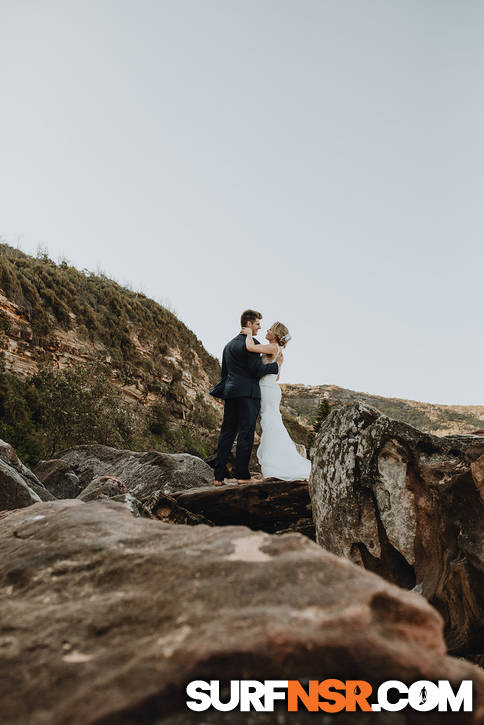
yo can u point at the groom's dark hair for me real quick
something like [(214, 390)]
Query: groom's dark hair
[(249, 316)]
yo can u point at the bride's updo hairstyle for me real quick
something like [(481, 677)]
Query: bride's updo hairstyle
[(281, 333)]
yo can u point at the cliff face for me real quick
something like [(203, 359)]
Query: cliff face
[(58, 315), (408, 506), (23, 353), (302, 401)]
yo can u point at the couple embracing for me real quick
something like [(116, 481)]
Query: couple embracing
[(250, 372)]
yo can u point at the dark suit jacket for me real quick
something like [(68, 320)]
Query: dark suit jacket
[(241, 371)]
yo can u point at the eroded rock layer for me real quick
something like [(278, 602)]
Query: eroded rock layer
[(408, 506)]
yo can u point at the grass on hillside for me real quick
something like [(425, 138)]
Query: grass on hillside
[(105, 312)]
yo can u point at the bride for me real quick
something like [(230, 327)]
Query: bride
[(277, 453)]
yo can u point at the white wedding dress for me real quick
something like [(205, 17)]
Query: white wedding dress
[(277, 452)]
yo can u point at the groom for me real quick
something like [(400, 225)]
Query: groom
[(239, 388)]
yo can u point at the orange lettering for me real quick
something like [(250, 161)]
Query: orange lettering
[(296, 691), (357, 691), (339, 700)]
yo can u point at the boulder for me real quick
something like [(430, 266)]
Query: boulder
[(106, 617), (19, 487), (271, 505), (131, 503), (145, 474), (103, 487), (406, 505), (59, 478), (108, 488)]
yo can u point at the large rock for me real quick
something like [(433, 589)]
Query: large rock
[(271, 505), (104, 618), (131, 503), (108, 488), (103, 487), (144, 473), (59, 478), (19, 487), (406, 505)]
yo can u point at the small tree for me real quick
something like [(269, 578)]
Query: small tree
[(80, 405), (19, 406)]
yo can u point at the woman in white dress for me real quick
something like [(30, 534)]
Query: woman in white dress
[(277, 452)]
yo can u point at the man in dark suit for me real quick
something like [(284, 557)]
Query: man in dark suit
[(239, 387)]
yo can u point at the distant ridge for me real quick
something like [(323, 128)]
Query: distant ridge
[(303, 401)]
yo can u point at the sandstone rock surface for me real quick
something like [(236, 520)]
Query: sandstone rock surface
[(104, 618), (144, 473), (108, 488), (407, 506), (58, 477), (103, 487), (19, 487)]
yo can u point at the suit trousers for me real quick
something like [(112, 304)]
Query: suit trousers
[(240, 415)]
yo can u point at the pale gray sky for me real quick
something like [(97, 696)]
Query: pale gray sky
[(318, 160)]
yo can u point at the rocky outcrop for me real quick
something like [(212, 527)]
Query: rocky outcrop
[(271, 505), (302, 401), (19, 487), (108, 488), (103, 487), (130, 502), (184, 358), (145, 474), (175, 488), (59, 478), (106, 617), (408, 506)]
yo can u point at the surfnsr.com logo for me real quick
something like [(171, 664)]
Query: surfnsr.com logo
[(330, 695)]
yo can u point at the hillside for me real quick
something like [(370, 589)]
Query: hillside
[(85, 360), (302, 401), (53, 316)]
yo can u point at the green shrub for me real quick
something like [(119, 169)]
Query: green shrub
[(158, 419), (324, 410), (5, 325), (80, 405)]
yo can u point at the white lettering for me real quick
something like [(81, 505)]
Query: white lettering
[(251, 693), (275, 690), (200, 701), (462, 696), (234, 695)]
